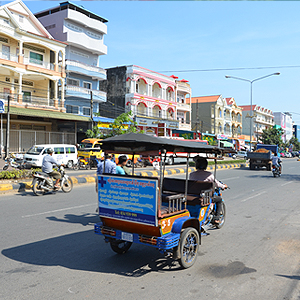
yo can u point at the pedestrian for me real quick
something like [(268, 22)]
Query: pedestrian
[(121, 163), (110, 166)]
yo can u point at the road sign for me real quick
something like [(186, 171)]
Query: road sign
[(1, 106)]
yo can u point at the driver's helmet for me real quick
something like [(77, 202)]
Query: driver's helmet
[(50, 150)]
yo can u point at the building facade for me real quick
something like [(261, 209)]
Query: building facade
[(32, 70), (236, 117), (150, 96), (212, 115), (284, 120), (262, 118), (84, 32), (183, 98)]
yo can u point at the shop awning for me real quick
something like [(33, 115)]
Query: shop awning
[(46, 114)]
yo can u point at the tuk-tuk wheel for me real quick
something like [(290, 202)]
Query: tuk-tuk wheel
[(188, 247), (120, 246)]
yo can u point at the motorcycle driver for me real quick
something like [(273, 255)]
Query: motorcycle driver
[(203, 175), (276, 161), (47, 167)]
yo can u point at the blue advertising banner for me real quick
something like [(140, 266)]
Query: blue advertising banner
[(129, 199), (1, 106)]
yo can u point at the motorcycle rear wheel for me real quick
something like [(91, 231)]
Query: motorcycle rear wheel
[(67, 185), (36, 187), (5, 167)]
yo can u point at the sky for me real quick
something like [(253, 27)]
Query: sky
[(202, 41)]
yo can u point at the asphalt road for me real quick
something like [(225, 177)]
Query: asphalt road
[(49, 250)]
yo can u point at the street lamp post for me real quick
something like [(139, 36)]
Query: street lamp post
[(251, 82)]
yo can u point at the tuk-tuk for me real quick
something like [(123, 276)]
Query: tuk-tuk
[(169, 214)]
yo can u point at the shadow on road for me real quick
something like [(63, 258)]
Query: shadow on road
[(88, 252)]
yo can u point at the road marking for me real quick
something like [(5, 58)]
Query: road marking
[(253, 196), (287, 183), (62, 209)]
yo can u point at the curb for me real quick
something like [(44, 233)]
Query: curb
[(26, 185)]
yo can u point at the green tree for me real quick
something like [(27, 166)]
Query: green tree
[(95, 132), (296, 144), (272, 136), (124, 123)]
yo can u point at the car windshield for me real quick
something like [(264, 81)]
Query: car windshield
[(85, 145), (35, 150)]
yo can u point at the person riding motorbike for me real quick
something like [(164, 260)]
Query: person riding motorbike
[(203, 175), (276, 161), (47, 167)]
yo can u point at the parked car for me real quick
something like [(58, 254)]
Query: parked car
[(240, 154)]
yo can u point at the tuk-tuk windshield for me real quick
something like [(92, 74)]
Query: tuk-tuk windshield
[(35, 150)]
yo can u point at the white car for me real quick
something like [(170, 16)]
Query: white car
[(240, 154)]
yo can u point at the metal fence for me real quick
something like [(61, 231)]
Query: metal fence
[(21, 140)]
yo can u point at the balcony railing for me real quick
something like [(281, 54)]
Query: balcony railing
[(72, 90), (85, 66), (8, 56), (30, 100)]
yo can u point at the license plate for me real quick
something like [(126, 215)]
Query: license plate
[(125, 236), (259, 161)]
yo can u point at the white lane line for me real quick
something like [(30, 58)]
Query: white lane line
[(287, 183), (62, 209), (253, 196)]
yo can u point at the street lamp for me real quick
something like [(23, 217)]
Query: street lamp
[(251, 81)]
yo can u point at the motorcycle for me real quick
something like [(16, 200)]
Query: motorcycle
[(82, 163), (276, 171), (12, 161), (43, 183), (210, 221)]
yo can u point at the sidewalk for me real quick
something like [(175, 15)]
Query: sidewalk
[(24, 185)]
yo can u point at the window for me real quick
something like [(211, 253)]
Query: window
[(136, 87), (27, 97), (70, 150), (36, 58), (59, 150), (21, 19), (72, 109), (71, 81), (86, 111), (87, 85)]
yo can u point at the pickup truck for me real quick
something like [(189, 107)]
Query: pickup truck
[(262, 156)]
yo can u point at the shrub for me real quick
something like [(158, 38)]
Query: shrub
[(17, 174)]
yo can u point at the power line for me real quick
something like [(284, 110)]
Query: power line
[(229, 69)]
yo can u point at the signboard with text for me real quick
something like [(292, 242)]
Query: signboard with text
[(128, 199)]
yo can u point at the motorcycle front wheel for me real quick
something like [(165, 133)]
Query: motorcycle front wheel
[(36, 187), (5, 167), (67, 185)]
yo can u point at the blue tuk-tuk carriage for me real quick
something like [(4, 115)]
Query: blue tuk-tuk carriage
[(166, 213)]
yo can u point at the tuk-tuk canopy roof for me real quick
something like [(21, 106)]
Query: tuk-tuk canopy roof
[(140, 143)]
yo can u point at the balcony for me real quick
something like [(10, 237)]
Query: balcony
[(183, 87), (8, 56), (30, 101), (80, 92), (41, 64), (183, 107), (81, 68)]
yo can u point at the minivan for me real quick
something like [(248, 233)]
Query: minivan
[(64, 154)]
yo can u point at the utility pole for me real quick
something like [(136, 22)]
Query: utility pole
[(7, 127), (92, 105)]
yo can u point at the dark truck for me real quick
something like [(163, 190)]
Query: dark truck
[(262, 156)]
